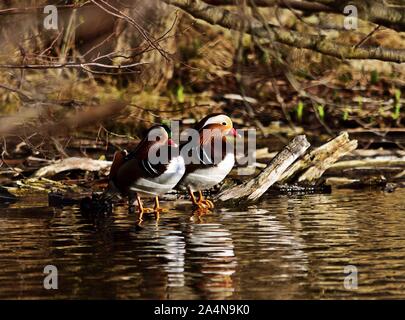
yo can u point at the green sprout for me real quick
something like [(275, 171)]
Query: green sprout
[(321, 111), (360, 102), (346, 114), (374, 77), (397, 107), (300, 110), (397, 95), (180, 94)]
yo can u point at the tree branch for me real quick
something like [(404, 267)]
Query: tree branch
[(231, 20), (308, 6), (73, 65), (30, 10), (375, 11)]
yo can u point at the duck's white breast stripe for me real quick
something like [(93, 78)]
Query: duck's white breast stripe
[(163, 183), (208, 177)]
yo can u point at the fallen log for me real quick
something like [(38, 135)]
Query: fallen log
[(361, 183), (311, 167), (73, 163), (369, 163), (256, 187), (368, 153), (285, 169)]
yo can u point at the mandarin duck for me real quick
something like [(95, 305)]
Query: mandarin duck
[(135, 174), (213, 157)]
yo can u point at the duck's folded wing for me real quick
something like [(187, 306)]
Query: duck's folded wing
[(118, 161), (151, 170)]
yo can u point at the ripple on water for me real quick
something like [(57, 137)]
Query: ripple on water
[(284, 247)]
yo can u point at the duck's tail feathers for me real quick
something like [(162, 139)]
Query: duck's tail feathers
[(118, 161), (112, 191)]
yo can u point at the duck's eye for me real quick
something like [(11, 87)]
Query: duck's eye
[(224, 123)]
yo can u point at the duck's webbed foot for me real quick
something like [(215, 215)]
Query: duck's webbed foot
[(208, 204), (141, 209), (202, 204), (205, 202), (157, 209)]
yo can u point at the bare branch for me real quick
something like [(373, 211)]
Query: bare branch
[(30, 10), (231, 20), (72, 65), (374, 11), (308, 6), (21, 94)]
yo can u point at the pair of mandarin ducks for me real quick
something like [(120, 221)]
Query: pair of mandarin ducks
[(134, 175)]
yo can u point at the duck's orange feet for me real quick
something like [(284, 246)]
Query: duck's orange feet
[(157, 209), (141, 209), (205, 202), (198, 203)]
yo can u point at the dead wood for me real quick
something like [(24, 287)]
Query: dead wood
[(73, 163), (369, 163), (314, 164), (256, 187), (360, 183)]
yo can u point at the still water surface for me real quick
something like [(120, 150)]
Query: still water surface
[(285, 247)]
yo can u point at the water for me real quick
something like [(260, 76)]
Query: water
[(285, 247)]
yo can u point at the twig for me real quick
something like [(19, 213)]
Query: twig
[(70, 65), (21, 94)]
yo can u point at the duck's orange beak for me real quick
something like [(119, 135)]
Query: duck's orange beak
[(170, 142)]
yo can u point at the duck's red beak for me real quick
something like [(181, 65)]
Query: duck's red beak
[(234, 133), (170, 142)]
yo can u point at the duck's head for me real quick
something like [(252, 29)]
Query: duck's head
[(160, 135), (218, 121)]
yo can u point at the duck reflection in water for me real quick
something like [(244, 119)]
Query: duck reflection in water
[(210, 259)]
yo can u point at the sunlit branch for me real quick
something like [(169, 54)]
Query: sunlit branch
[(232, 20)]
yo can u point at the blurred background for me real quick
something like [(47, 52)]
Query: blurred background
[(113, 68)]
